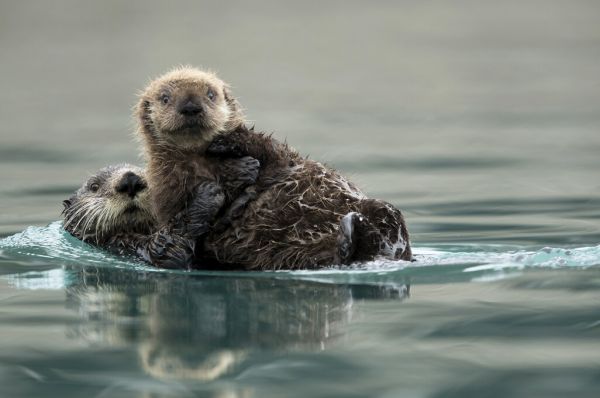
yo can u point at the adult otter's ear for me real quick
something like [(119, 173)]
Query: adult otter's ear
[(236, 116), (66, 205)]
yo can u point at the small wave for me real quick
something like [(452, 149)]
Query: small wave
[(548, 257), (52, 247)]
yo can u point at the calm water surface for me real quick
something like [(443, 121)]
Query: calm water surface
[(481, 120)]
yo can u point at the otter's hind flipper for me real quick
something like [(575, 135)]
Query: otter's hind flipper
[(389, 221), (357, 240)]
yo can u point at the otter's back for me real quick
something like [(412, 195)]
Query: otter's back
[(301, 208)]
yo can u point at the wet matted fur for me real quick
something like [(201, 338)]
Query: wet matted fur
[(300, 211)]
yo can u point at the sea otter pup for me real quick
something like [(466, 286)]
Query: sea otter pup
[(179, 114), (112, 210), (300, 214)]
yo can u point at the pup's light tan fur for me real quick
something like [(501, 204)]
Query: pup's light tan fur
[(174, 150)]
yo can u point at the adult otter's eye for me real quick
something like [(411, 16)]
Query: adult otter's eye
[(164, 98), (211, 95), (94, 187)]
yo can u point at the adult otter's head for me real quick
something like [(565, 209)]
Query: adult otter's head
[(186, 108), (114, 200)]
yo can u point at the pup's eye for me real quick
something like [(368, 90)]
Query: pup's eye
[(164, 98), (94, 187), (211, 95)]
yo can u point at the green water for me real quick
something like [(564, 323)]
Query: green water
[(480, 119)]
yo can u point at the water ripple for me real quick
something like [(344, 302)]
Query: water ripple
[(42, 248)]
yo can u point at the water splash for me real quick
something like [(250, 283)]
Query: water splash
[(38, 249), (52, 246)]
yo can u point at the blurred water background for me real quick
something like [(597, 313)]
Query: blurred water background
[(479, 119)]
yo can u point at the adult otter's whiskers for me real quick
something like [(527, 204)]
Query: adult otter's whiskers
[(112, 210)]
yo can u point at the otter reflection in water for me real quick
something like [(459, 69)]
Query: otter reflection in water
[(200, 327)]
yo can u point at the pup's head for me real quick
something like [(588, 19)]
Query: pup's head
[(186, 108), (114, 200)]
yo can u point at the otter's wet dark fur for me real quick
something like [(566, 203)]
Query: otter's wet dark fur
[(304, 213)]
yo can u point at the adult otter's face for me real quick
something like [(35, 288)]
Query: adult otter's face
[(187, 107), (114, 200)]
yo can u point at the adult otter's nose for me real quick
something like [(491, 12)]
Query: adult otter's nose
[(130, 184), (190, 109)]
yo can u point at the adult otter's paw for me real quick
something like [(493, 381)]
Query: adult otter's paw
[(162, 249), (166, 250)]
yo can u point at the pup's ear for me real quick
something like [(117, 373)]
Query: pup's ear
[(236, 116), (142, 113)]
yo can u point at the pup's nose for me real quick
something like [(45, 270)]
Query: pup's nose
[(190, 109), (130, 184)]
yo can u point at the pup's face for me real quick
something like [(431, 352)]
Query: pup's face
[(114, 200), (187, 107)]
